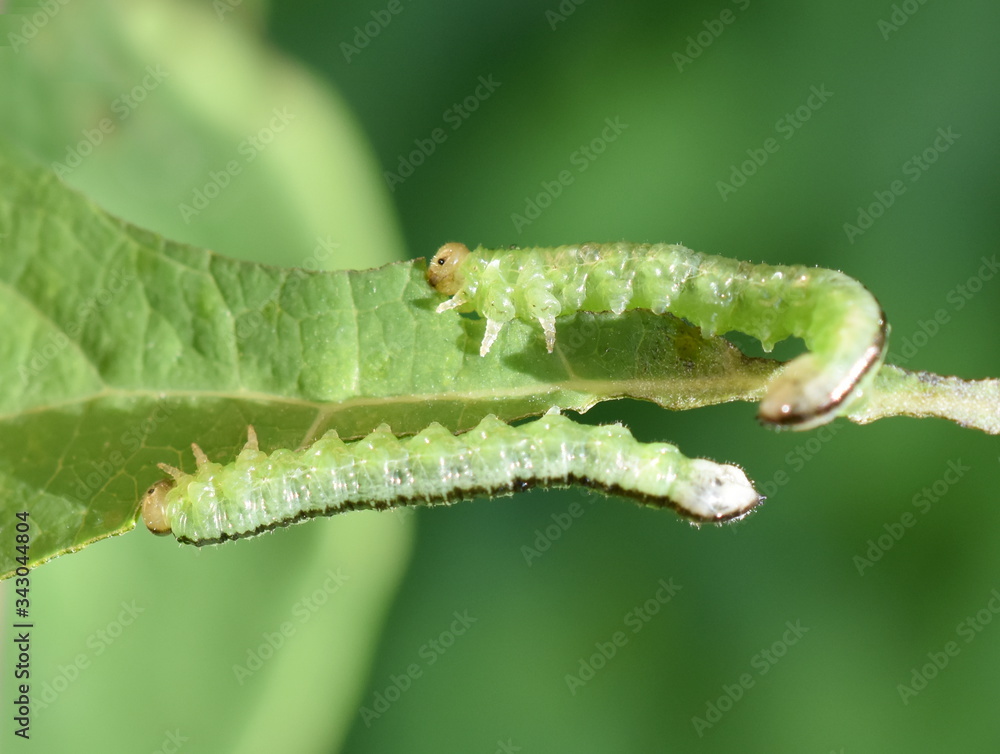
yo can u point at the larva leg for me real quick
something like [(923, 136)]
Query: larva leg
[(549, 328), (493, 328), (840, 321), (173, 471), (533, 294), (251, 443), (199, 455), (258, 492), (455, 302)]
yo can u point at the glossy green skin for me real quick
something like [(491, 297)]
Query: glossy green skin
[(838, 318), (258, 492)]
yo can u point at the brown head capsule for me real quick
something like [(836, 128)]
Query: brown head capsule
[(441, 273), (154, 509)]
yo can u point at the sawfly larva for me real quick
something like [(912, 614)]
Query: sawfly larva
[(260, 491), (838, 318)]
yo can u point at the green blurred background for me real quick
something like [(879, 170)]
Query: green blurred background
[(746, 76)]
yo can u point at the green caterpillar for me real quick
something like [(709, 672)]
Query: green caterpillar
[(258, 492), (838, 318)]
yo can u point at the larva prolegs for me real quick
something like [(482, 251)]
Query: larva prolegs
[(840, 321), (258, 492)]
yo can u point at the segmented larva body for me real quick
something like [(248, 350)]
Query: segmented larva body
[(838, 318), (258, 492)]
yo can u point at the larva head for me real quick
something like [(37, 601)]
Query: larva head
[(154, 507), (442, 272)]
